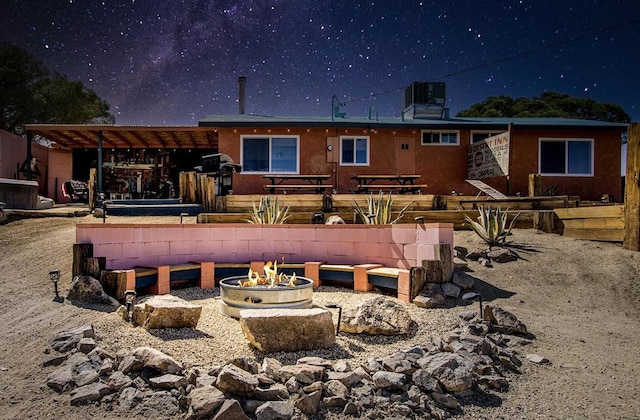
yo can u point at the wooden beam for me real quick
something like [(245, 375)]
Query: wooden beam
[(632, 190)]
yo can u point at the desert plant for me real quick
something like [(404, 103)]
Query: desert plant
[(268, 212), (379, 210), (491, 226)]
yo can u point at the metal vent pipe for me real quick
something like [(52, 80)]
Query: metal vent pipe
[(242, 83)]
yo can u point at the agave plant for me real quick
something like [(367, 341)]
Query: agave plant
[(268, 212), (379, 210), (491, 226)]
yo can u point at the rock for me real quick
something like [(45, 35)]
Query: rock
[(157, 360), (159, 404), (85, 345), (446, 400), (60, 379), (86, 377), (494, 382), (341, 366), (271, 330), (389, 380), (271, 367), (334, 388), (69, 339), (538, 360), (106, 368), (166, 311), (377, 316), (246, 363), (451, 290), (129, 398), (309, 404), (349, 379), (460, 264), (168, 381), (91, 392), (234, 380), (463, 280), (275, 410), (504, 320), (316, 361), (475, 255), (130, 363), (453, 371), (276, 392), (205, 380), (304, 374), (55, 360), (485, 262), (204, 401), (118, 381), (350, 409), (334, 220), (423, 380), (230, 410), (86, 289), (502, 255), (431, 300)]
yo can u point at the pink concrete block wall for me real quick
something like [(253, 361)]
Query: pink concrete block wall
[(401, 246)]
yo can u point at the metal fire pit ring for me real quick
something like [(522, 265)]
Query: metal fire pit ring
[(235, 298)]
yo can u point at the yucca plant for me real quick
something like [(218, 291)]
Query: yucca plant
[(379, 210), (491, 226), (268, 212)]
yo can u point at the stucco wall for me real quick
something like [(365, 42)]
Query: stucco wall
[(13, 153), (127, 246)]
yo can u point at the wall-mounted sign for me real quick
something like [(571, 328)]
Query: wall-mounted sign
[(489, 157)]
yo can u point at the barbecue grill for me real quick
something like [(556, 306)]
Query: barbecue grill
[(221, 167)]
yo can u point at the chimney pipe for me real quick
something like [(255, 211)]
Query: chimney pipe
[(242, 82)]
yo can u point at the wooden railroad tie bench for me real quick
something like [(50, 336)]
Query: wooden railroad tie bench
[(317, 188)]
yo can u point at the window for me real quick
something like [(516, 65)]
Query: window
[(354, 150), (477, 136), (270, 154), (566, 157), (439, 137)]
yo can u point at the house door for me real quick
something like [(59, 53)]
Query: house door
[(405, 155)]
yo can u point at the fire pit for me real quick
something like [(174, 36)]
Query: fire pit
[(271, 291)]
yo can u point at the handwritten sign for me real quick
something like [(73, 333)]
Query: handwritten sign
[(489, 157)]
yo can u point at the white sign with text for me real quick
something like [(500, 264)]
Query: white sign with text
[(489, 157)]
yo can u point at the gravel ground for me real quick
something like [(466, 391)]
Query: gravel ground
[(580, 299)]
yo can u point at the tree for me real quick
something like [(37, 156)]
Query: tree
[(29, 93), (549, 104)]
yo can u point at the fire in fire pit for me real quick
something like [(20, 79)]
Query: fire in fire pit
[(272, 291)]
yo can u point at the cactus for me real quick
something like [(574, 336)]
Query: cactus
[(491, 226), (268, 212)]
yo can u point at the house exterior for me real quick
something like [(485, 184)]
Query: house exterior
[(573, 157)]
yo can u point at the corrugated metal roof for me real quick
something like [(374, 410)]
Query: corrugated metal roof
[(252, 120), (117, 136)]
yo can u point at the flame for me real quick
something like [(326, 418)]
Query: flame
[(270, 279)]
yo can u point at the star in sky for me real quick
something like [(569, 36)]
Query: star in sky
[(174, 62)]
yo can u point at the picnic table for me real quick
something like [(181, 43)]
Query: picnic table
[(313, 183), (401, 183)]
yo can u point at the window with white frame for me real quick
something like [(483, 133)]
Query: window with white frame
[(566, 157), (477, 136), (354, 150), (270, 154), (440, 137)]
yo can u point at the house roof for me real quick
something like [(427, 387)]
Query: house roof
[(253, 120), (119, 136)]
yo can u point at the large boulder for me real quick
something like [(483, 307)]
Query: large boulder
[(453, 371), (378, 316), (86, 289), (166, 311), (157, 360), (271, 330)]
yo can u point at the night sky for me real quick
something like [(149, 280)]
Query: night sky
[(174, 62)]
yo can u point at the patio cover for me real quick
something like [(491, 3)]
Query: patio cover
[(73, 136)]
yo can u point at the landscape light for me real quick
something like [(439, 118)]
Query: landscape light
[(130, 298), (54, 276), (335, 305), (471, 296)]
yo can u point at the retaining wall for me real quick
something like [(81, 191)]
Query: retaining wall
[(398, 245)]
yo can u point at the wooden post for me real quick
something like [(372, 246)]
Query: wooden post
[(418, 280), (94, 266), (92, 187), (211, 194), (191, 187), (535, 185), (439, 202), (543, 220), (182, 186), (116, 282), (632, 191), (80, 254)]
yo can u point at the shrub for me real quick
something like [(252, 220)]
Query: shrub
[(491, 226), (268, 212), (379, 210)]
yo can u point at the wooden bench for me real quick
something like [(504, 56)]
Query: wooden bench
[(401, 188), (318, 188)]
